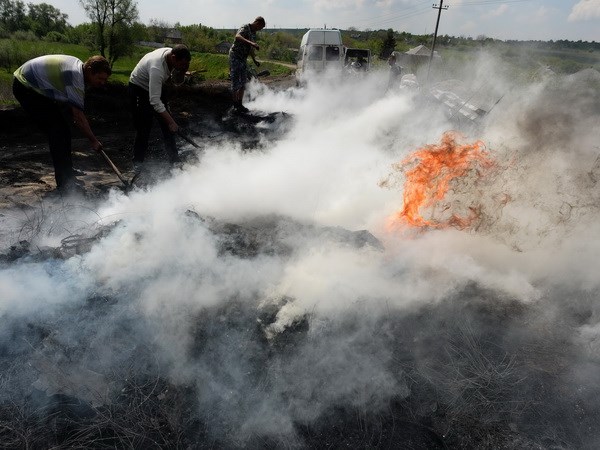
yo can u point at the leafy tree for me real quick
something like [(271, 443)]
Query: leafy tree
[(55, 36), (201, 38), (120, 42), (82, 34), (44, 18), (279, 46), (12, 15), (112, 19), (157, 30), (388, 45), (139, 31)]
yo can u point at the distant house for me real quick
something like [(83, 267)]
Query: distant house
[(417, 56), (223, 47), (421, 51), (173, 36)]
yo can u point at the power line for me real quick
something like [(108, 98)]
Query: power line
[(418, 9), (404, 11), (488, 2), (392, 17), (403, 16)]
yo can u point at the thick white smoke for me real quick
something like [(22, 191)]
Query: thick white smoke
[(168, 281)]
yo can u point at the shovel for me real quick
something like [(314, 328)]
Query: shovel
[(114, 168), (186, 138)]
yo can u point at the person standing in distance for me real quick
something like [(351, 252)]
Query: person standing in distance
[(147, 98), (51, 90), (395, 72), (243, 46)]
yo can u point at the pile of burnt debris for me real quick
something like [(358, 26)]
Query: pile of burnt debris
[(469, 372)]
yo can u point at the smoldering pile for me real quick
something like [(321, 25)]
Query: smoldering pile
[(476, 370)]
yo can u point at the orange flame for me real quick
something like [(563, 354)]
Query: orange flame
[(429, 173)]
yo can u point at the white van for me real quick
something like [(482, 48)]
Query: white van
[(321, 49)]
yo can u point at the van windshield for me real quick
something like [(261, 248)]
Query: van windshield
[(315, 53), (332, 53)]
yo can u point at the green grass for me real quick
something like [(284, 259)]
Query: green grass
[(122, 67), (13, 53), (30, 49), (212, 66)]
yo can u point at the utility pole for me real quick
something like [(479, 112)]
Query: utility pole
[(439, 8)]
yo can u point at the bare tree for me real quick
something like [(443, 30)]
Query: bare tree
[(112, 19)]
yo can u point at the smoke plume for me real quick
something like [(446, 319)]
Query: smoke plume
[(257, 298)]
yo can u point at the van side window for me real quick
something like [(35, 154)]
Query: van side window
[(315, 53), (332, 53)]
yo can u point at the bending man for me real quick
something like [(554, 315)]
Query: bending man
[(51, 90), (243, 45), (147, 98)]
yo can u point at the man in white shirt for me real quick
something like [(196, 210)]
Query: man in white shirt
[(147, 98)]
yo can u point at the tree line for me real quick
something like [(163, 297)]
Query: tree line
[(38, 19)]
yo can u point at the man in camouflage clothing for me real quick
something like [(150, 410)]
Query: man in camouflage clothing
[(243, 45)]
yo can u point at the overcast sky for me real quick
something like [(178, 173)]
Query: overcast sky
[(508, 19)]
